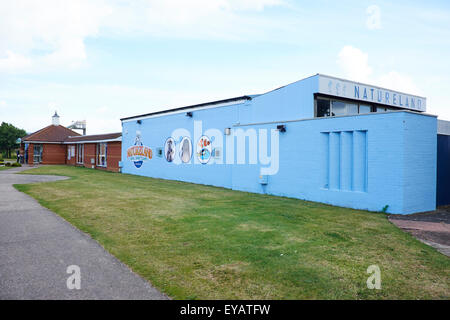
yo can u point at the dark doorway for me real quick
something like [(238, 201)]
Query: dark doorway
[(443, 170)]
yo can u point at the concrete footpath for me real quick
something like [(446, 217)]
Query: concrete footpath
[(432, 228), (37, 246)]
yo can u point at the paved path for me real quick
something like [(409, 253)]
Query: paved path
[(432, 228), (37, 246)]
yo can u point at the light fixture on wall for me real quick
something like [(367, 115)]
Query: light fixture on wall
[(227, 131), (189, 114), (139, 122), (281, 128)]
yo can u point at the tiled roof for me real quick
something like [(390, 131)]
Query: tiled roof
[(63, 135), (94, 137), (51, 133)]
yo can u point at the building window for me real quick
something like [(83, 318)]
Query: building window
[(341, 108), (326, 107), (70, 152), (380, 109), (329, 107), (323, 108), (101, 154), (365, 108), (37, 153), (338, 108), (80, 153)]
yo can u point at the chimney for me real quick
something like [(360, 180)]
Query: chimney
[(55, 119)]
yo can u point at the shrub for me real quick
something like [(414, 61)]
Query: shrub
[(16, 164), (8, 164)]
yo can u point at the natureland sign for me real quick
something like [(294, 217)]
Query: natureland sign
[(138, 153), (372, 94)]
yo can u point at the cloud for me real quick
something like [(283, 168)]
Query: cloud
[(38, 35), (396, 81), (354, 63), (355, 66), (47, 33), (373, 21), (195, 19), (14, 62), (258, 5)]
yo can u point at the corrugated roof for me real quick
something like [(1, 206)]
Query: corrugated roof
[(94, 137), (51, 133)]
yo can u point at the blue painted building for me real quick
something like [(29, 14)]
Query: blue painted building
[(321, 139)]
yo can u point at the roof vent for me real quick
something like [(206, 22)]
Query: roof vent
[(55, 119)]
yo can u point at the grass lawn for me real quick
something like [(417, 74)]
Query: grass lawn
[(201, 242), (4, 168)]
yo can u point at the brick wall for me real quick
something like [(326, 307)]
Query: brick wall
[(89, 153), (51, 153), (54, 154), (30, 153), (113, 156)]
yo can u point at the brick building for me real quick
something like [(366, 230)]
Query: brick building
[(101, 151), (56, 144)]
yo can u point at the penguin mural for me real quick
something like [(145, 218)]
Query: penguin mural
[(169, 149), (186, 150)]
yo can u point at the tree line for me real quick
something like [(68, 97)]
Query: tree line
[(8, 138)]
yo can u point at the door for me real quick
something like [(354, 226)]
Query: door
[(443, 170), (37, 153)]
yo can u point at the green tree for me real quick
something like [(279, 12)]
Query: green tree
[(8, 138)]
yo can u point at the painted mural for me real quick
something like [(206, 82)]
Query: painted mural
[(138, 153), (186, 149), (204, 149), (169, 149)]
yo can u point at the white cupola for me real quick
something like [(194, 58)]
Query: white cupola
[(55, 119)]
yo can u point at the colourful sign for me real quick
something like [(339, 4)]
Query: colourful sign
[(139, 153)]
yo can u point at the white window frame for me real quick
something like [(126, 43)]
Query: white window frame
[(72, 151), (101, 156), (80, 151)]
